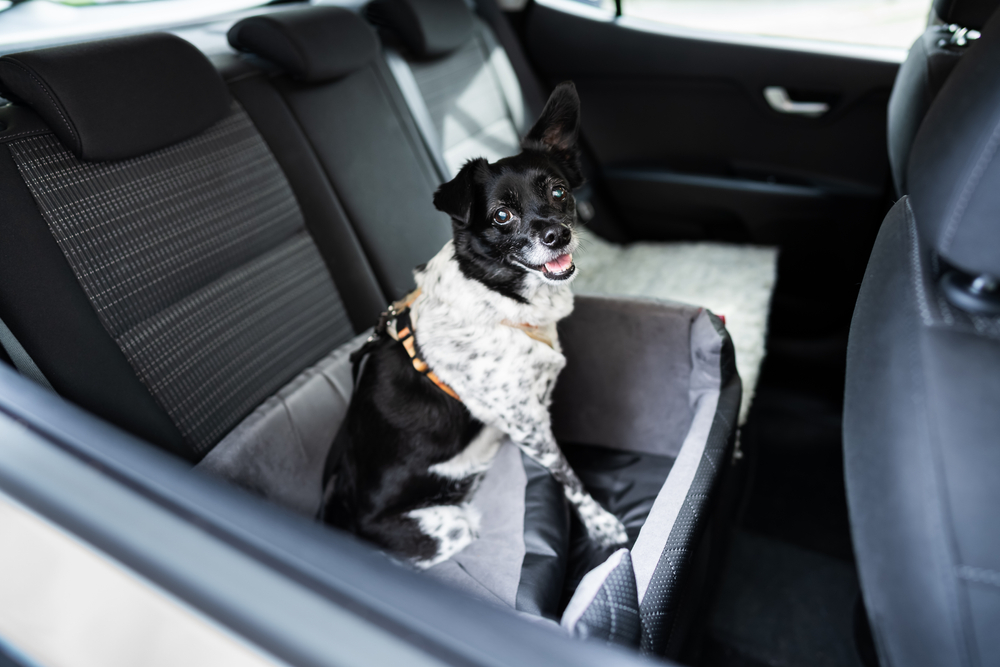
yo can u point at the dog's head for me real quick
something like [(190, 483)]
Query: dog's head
[(513, 220)]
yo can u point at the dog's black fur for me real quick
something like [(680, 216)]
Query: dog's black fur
[(523, 184), (399, 423)]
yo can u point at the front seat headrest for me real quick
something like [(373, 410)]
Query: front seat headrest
[(428, 28), (312, 44), (118, 98), (954, 170), (971, 14)]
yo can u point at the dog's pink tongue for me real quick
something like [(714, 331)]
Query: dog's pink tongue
[(559, 264)]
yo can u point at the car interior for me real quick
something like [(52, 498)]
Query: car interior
[(778, 365)]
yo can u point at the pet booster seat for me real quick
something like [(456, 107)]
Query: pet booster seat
[(645, 411)]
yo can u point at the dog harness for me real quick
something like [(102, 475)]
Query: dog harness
[(399, 327), (395, 322)]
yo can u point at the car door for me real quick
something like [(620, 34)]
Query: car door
[(688, 145)]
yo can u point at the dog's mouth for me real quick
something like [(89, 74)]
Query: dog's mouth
[(560, 268)]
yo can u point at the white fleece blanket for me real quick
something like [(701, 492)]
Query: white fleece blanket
[(731, 280)]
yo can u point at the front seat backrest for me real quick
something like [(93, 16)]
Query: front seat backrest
[(921, 421), (930, 60)]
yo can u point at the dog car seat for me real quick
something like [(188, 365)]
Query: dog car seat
[(647, 426), (468, 101), (179, 286)]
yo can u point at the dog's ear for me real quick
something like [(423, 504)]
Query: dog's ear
[(455, 196), (557, 130), (558, 126)]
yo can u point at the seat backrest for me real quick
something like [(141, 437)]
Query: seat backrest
[(358, 127), (154, 261), (458, 80), (921, 452), (931, 59)]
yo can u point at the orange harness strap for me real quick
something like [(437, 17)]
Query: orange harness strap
[(399, 314)]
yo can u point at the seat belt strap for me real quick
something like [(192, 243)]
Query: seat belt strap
[(407, 84), (531, 87), (22, 360)]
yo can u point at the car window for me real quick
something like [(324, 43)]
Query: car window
[(37, 23), (891, 23)]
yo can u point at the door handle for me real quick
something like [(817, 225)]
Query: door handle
[(777, 97)]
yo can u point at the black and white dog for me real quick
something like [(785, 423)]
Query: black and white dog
[(482, 328)]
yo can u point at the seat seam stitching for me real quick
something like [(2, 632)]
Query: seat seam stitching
[(48, 94), (984, 160)]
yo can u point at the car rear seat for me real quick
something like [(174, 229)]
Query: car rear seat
[(168, 291), (168, 266), (470, 101)]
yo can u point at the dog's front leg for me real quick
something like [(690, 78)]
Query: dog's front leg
[(602, 525), (529, 425)]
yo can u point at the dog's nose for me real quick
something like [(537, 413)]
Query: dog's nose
[(555, 236)]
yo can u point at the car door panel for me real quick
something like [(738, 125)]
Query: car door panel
[(687, 147)]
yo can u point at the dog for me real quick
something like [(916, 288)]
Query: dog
[(479, 356)]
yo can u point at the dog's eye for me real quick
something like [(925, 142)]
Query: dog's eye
[(558, 193), (502, 216)]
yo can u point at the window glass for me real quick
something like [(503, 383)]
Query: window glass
[(35, 23), (894, 23)]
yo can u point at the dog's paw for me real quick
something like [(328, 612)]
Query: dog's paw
[(602, 526), (454, 527)]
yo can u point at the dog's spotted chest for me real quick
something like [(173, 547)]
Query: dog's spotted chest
[(504, 376), (464, 331)]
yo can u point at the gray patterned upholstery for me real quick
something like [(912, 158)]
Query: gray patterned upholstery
[(605, 605), (663, 550), (197, 261), (280, 449), (473, 100)]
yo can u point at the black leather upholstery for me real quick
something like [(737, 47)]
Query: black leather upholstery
[(953, 169), (972, 14), (428, 28), (118, 98), (920, 418), (312, 44)]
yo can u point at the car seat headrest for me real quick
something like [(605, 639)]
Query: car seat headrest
[(118, 98), (312, 44), (971, 14), (954, 168), (428, 28)]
